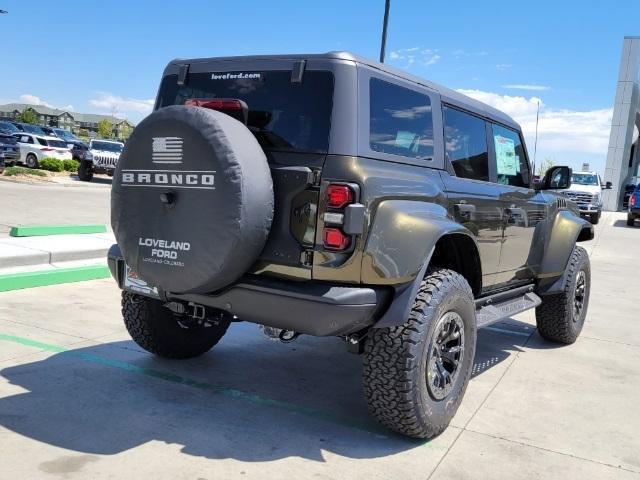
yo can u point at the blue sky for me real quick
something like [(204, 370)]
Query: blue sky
[(108, 57)]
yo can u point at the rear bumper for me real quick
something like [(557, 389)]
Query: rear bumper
[(634, 212), (313, 308)]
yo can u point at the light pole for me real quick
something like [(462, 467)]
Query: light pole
[(383, 45)]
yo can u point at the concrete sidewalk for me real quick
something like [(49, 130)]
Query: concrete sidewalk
[(24, 254)]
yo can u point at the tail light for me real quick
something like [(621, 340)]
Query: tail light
[(46, 149), (632, 200), (233, 107), (337, 198)]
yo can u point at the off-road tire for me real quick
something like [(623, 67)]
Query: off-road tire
[(555, 316), (594, 218), (85, 172), (32, 161), (631, 220), (395, 360), (157, 329)]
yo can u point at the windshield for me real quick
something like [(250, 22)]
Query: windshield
[(64, 134), (584, 179), (33, 129), (106, 146), (9, 127), (283, 116)]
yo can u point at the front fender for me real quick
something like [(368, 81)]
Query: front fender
[(565, 231)]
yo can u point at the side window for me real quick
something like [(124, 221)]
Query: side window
[(400, 121), (465, 138), (41, 141), (512, 166)]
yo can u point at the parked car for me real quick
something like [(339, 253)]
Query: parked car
[(634, 207), (332, 195), (33, 148), (629, 188), (586, 190), (37, 129), (9, 149), (79, 150), (103, 158), (65, 135), (8, 127)]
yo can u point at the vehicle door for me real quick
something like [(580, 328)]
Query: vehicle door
[(523, 208), (473, 198), (26, 145)]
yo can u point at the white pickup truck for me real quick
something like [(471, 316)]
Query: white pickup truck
[(102, 157), (586, 190)]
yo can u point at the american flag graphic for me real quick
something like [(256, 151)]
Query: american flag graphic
[(166, 150)]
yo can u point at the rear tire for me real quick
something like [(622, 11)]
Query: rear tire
[(631, 220), (159, 331), (594, 218), (415, 374), (85, 171), (32, 161), (560, 317)]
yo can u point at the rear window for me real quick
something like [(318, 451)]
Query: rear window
[(57, 144), (8, 139), (283, 116)]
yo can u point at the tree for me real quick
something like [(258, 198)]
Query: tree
[(545, 165), (105, 128), (27, 116), (125, 131)]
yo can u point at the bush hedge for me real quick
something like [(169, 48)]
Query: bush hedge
[(71, 165), (52, 164)]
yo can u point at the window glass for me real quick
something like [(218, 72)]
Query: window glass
[(400, 121), (512, 167), (283, 116), (465, 139), (41, 141)]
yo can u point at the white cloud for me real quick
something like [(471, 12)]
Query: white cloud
[(503, 66), (526, 86), (560, 131), (112, 103), (415, 56), (35, 100)]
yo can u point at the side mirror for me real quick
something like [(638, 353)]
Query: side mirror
[(608, 185), (556, 178)]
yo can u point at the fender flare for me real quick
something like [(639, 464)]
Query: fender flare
[(402, 260)]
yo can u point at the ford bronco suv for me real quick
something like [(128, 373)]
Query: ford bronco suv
[(330, 195)]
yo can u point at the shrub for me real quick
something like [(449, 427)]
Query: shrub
[(71, 165), (12, 171), (52, 164)]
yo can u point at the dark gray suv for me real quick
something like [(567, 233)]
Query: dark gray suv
[(330, 195)]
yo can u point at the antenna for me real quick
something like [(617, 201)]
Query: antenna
[(383, 45), (535, 144)]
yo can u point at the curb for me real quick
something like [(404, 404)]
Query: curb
[(41, 278), (41, 230)]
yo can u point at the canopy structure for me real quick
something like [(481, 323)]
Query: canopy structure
[(623, 156)]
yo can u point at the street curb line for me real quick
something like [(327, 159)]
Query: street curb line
[(39, 230), (55, 276)]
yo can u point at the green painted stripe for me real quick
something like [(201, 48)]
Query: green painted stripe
[(54, 276), (218, 389), (38, 230)]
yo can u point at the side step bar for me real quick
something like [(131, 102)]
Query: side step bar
[(492, 309)]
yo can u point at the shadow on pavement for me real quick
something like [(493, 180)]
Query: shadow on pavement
[(250, 399), (623, 224)]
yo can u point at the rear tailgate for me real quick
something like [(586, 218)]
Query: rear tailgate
[(289, 112)]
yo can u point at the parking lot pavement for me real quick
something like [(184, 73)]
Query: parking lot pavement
[(24, 204), (79, 400)]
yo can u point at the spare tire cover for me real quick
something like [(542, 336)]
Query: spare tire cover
[(192, 199)]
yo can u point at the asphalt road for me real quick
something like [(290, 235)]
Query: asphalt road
[(78, 399), (71, 204)]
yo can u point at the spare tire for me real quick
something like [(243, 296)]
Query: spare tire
[(192, 200)]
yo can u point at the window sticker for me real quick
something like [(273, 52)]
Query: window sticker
[(506, 158), (405, 139)]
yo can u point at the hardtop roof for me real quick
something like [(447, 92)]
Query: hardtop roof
[(448, 95)]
